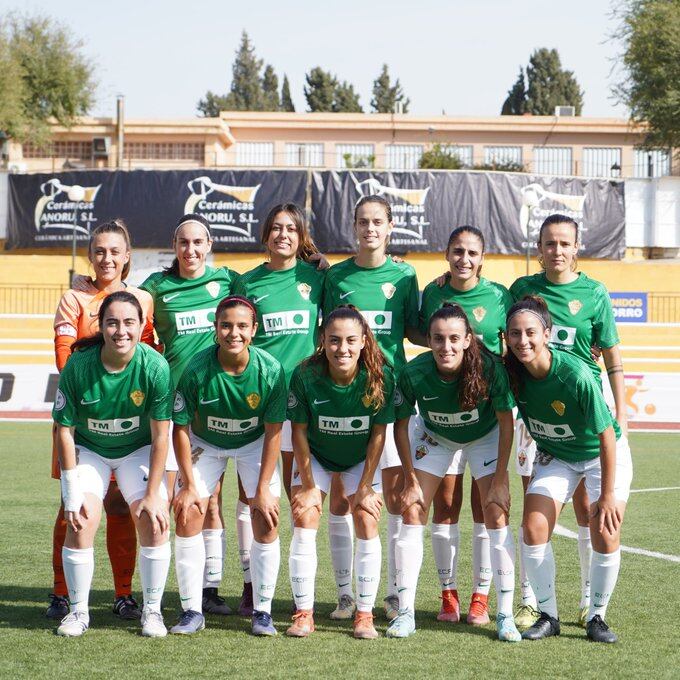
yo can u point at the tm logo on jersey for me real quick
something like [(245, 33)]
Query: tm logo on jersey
[(454, 419), (548, 431), (116, 426), (351, 425), (232, 425), (563, 335), (197, 321), (296, 320), (378, 322)]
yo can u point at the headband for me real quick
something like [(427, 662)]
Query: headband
[(528, 311), (192, 218), (242, 300)]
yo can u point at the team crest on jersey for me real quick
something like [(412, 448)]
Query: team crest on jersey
[(137, 397), (292, 400), (179, 402), (304, 289), (421, 451), (522, 457), (253, 400), (389, 290), (479, 313), (213, 288), (366, 400), (398, 397), (59, 400), (558, 407), (575, 306)]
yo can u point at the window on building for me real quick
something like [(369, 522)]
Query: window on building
[(464, 153), (254, 153), (403, 156), (553, 160), (165, 151), (652, 163), (80, 150), (355, 155), (304, 155), (502, 155), (601, 162)]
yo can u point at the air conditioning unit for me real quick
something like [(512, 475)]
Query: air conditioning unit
[(101, 146), (565, 110), (17, 168)]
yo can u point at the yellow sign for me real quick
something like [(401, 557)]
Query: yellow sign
[(137, 397), (253, 400)]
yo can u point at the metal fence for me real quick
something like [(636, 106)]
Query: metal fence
[(30, 298), (664, 307)]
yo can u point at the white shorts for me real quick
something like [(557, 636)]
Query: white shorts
[(209, 463), (390, 455), (131, 473), (350, 478), (558, 479), (525, 449), (287, 436), (441, 457)]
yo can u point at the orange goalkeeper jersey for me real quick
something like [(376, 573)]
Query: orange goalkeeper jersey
[(77, 317)]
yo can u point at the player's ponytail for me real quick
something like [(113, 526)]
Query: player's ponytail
[(98, 337), (533, 304), (370, 357), (473, 385)]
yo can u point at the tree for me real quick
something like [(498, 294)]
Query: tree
[(286, 99), (386, 96), (548, 85), (345, 99), (43, 76), (270, 89), (246, 89), (516, 101), (650, 84), (211, 106), (441, 157), (320, 89)]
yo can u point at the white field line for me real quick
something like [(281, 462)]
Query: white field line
[(660, 488), (567, 533)]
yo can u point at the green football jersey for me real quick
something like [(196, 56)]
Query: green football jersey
[(339, 421), (387, 296), (565, 411), (581, 312), (111, 411), (486, 306), (439, 404), (288, 307), (184, 312), (229, 411)]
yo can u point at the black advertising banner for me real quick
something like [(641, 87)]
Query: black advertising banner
[(426, 206), (44, 208)]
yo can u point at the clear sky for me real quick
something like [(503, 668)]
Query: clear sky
[(453, 56)]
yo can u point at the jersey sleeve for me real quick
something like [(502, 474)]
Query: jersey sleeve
[(404, 398), (238, 287), (499, 388), (604, 327), (65, 401), (593, 405), (161, 396), (298, 407), (424, 312), (276, 405), (411, 315), (386, 413), (186, 398), (516, 291)]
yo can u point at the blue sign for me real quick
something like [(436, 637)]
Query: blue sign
[(629, 307)]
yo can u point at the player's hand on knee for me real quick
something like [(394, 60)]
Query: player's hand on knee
[(267, 505), (184, 501), (156, 509), (609, 517), (412, 494), (306, 500)]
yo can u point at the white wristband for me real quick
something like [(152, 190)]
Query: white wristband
[(71, 492)]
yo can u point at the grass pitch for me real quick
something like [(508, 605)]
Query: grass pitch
[(643, 611)]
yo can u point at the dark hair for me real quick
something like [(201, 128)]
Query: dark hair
[(467, 229), (189, 217), (306, 246), (371, 357), (558, 218), (115, 226), (374, 199), (537, 306), (235, 301), (98, 337), (473, 386)]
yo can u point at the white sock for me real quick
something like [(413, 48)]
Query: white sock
[(604, 572), (341, 537), (154, 563), (214, 557), (78, 572), (585, 555), (503, 565), (481, 559), (189, 561), (266, 560), (445, 539), (302, 567), (394, 523), (367, 563), (244, 534), (526, 591), (539, 562), (409, 554)]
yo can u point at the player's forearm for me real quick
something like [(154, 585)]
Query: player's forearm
[(159, 453), (404, 447), (302, 455), (607, 460), (374, 450), (506, 432), (614, 365), (182, 446), (270, 453), (66, 448)]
